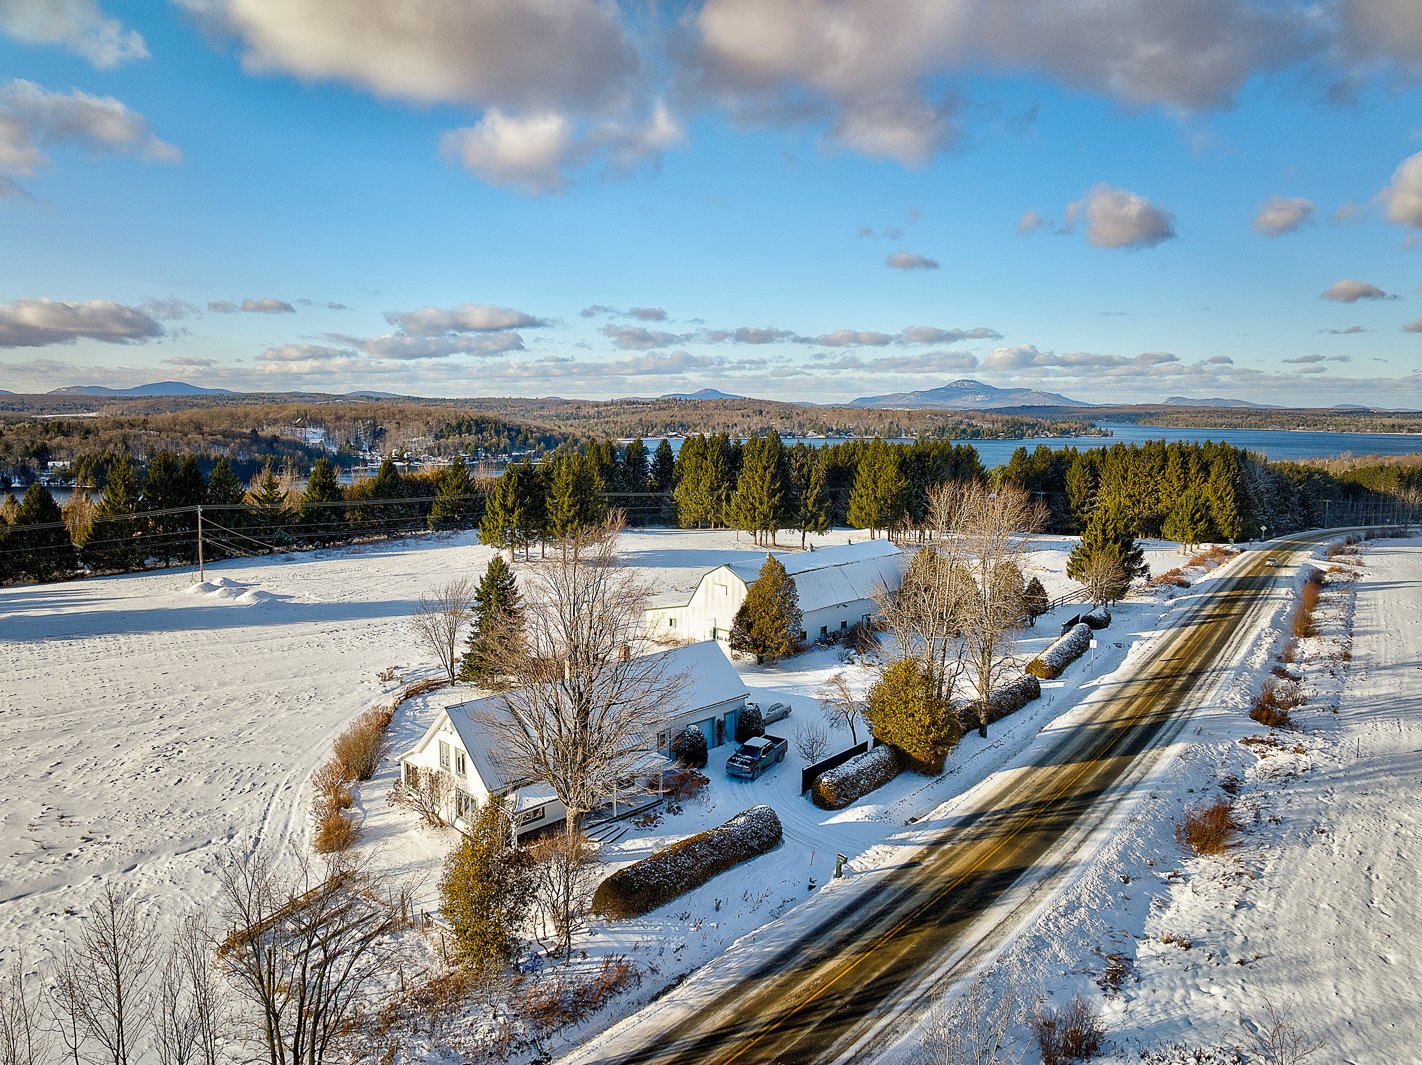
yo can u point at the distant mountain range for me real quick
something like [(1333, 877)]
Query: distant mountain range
[(1186, 401), (157, 388), (704, 393), (967, 394)]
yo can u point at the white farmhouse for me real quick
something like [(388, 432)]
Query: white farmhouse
[(458, 744), (836, 586)]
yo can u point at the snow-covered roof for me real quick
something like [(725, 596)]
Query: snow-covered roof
[(707, 678), (833, 575)]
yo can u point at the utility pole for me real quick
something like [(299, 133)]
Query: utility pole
[(202, 576)]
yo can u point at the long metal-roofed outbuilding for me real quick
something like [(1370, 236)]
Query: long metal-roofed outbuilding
[(836, 587)]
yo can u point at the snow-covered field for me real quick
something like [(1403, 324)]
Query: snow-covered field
[(152, 723)]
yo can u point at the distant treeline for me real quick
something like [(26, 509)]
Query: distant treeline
[(1312, 419), (149, 514)]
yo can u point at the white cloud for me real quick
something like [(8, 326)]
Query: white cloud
[(1403, 196), (530, 57), (465, 318), (402, 347), (33, 119), (929, 334), (77, 25), (1350, 291), (902, 260), (35, 323), (1118, 218), (190, 361), (648, 314), (1413, 327), (1384, 29), (747, 335), (265, 305), (1030, 222), (639, 338), (846, 338), (1282, 214)]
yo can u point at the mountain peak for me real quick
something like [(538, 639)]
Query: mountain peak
[(967, 394)]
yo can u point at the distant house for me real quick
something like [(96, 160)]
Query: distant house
[(836, 586), (458, 744)]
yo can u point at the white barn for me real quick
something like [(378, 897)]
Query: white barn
[(459, 745), (836, 586)]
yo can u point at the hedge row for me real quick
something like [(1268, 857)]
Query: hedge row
[(839, 787), (1099, 618), (673, 871), (1051, 663), (1002, 701)]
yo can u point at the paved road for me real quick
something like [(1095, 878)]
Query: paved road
[(816, 997)]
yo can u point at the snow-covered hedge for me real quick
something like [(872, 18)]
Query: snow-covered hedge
[(689, 748), (673, 871), (1003, 700), (859, 776), (1052, 662), (1099, 618)]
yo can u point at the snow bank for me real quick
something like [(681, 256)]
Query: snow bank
[(1051, 663)]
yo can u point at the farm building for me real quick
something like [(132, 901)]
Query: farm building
[(460, 746), (836, 586)]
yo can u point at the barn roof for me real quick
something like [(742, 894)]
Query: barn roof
[(833, 575)]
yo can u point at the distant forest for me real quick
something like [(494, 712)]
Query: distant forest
[(1323, 420), (88, 433)]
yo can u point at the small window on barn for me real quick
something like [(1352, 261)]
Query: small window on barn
[(824, 630), (843, 623), (671, 623), (459, 766), (531, 817), (444, 755)]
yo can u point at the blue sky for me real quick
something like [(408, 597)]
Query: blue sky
[(1118, 200)]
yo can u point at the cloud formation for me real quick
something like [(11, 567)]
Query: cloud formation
[(37, 323), (1118, 218), (1350, 291), (75, 25), (1403, 196), (1030, 222), (265, 305), (465, 318), (902, 260), (1282, 214), (33, 119)]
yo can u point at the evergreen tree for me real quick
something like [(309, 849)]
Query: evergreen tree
[(1107, 541), (631, 481), (760, 502), (40, 536), (503, 512), (809, 502), (318, 514), (486, 892), (703, 481), (267, 514), (1191, 521), (768, 623), (663, 472), (115, 543), (455, 502), (1080, 488), (575, 497), (224, 488), (1034, 600), (225, 493), (877, 501), (384, 514), (165, 489), (905, 711), (1224, 498), (498, 624)]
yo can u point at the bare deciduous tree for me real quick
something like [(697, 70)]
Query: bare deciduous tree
[(841, 706), (973, 1029), (1104, 579), (565, 869), (101, 989), (585, 700), (440, 619), (1278, 1041), (189, 1017), (992, 528), (427, 792), (923, 612), (811, 741), (23, 1038), (300, 952)]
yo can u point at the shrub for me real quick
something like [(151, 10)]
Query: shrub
[(837, 788), (679, 785), (334, 832), (749, 722), (904, 709), (359, 748), (1002, 701), (689, 748), (332, 787), (1173, 578), (1070, 1034), (673, 871), (1099, 618), (1303, 625), (1052, 663), (427, 792), (1208, 829), (1034, 600)]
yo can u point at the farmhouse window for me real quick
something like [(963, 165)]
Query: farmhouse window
[(444, 755)]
